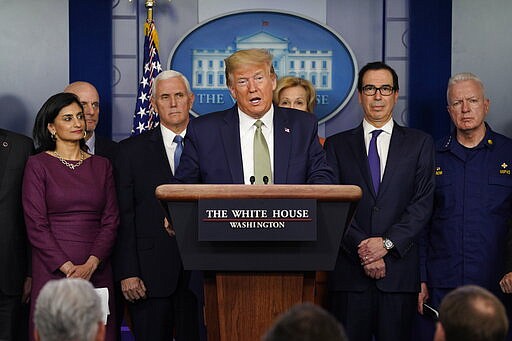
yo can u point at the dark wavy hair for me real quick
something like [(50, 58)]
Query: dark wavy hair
[(50, 109), (376, 66)]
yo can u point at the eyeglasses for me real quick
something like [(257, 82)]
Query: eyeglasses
[(385, 90)]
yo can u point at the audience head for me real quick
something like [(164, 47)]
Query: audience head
[(296, 93), (471, 313), (172, 99), (88, 96), (251, 80), (60, 118), (68, 310), (306, 322), (377, 85), (467, 103)]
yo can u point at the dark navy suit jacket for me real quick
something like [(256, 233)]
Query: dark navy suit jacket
[(212, 152), (106, 148), (399, 212)]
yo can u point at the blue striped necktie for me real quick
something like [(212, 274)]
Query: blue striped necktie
[(374, 160), (177, 153)]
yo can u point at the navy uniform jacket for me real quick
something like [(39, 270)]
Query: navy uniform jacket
[(472, 208), (399, 212)]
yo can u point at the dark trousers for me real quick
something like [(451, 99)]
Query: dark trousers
[(424, 326), (159, 318), (13, 319), (373, 314)]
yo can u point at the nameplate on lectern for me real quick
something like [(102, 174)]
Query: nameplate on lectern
[(257, 220)]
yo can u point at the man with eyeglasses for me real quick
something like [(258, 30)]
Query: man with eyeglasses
[(253, 141), (465, 243), (374, 286)]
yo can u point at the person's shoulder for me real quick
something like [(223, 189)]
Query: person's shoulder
[(343, 135), (209, 118), (295, 115), (413, 133), (39, 160), (140, 139), (19, 138), (98, 159), (105, 141), (500, 138)]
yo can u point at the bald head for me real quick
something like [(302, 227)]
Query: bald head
[(90, 100)]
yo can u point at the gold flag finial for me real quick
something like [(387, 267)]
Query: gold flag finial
[(149, 5)]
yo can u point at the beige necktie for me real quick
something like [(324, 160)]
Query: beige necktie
[(261, 156)]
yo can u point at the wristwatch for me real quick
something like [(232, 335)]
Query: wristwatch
[(387, 243)]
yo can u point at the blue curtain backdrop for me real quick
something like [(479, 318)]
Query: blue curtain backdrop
[(90, 52), (430, 51)]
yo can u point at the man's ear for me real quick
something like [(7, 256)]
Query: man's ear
[(36, 335), (439, 335), (100, 334)]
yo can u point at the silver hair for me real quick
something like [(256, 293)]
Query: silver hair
[(166, 75), (68, 310), (460, 77)]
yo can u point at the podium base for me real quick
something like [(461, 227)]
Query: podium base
[(243, 306)]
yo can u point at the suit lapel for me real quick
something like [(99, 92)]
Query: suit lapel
[(282, 146), (358, 148), (158, 150), (5, 147), (230, 134), (397, 150)]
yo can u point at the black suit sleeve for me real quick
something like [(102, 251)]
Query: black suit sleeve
[(126, 259)]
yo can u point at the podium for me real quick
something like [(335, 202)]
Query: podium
[(249, 283)]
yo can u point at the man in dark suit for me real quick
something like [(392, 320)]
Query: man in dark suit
[(253, 139), (90, 100), (148, 263), (376, 280), (14, 282)]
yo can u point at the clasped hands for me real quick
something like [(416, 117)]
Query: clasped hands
[(371, 252), (84, 271)]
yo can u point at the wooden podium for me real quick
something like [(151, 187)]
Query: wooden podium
[(248, 284)]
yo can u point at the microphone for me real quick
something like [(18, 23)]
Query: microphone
[(252, 179), (265, 179)]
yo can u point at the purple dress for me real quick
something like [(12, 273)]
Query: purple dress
[(70, 215)]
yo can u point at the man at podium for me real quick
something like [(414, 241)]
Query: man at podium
[(254, 141)]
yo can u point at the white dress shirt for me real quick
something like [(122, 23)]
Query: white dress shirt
[(382, 141), (90, 143), (170, 146), (247, 129)]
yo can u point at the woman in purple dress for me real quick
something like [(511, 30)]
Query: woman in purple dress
[(70, 203)]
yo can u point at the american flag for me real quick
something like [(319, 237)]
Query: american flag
[(144, 117)]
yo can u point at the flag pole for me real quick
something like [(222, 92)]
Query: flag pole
[(149, 4)]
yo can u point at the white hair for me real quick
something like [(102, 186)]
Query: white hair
[(460, 77), (166, 75), (68, 310)]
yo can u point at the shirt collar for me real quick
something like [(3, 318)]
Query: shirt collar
[(387, 128), (91, 143), (488, 141), (168, 135), (246, 121)]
